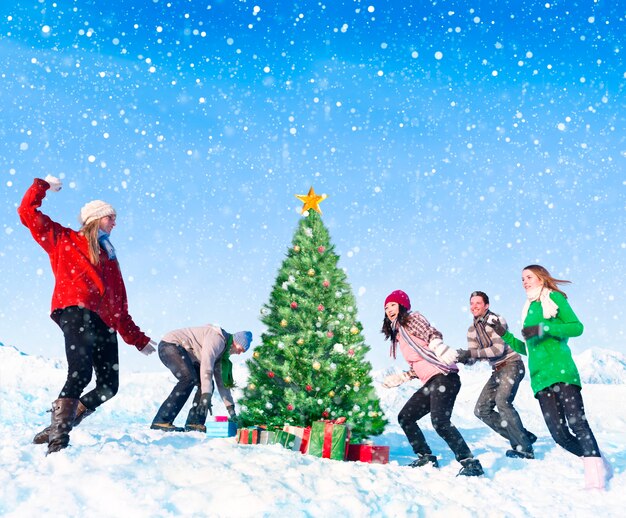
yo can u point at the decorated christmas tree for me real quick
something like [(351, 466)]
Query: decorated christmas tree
[(311, 363)]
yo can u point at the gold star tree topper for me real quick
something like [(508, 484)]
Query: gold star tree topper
[(311, 200)]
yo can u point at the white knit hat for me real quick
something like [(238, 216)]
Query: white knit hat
[(95, 209)]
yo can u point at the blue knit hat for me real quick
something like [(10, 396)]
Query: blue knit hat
[(243, 338)]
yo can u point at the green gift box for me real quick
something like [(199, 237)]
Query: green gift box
[(286, 439), (329, 440)]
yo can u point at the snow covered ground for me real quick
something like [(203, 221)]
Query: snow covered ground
[(117, 466)]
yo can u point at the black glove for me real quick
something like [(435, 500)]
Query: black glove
[(233, 417), (205, 405), (497, 326), (464, 356), (532, 331)]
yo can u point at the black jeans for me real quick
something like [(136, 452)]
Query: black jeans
[(90, 345), (563, 409), (177, 359), (436, 397)]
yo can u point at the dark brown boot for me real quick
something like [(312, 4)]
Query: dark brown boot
[(81, 412), (63, 416)]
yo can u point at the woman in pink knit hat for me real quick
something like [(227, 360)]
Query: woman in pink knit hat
[(88, 303), (433, 363)]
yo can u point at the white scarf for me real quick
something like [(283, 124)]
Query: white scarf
[(549, 307)]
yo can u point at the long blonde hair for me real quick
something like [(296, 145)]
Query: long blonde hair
[(90, 231), (548, 281)]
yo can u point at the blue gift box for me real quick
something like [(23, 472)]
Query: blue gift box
[(216, 429)]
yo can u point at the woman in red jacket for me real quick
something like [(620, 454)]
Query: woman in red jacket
[(88, 303)]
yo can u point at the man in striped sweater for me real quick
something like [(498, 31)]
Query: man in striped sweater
[(495, 403)]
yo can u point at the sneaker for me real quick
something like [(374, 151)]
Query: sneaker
[(195, 428), (520, 454), (425, 460), (471, 468), (166, 427)]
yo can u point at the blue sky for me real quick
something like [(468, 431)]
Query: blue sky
[(457, 143)]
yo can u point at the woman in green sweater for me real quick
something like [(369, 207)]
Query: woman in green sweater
[(548, 322)]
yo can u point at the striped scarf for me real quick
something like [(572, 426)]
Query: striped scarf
[(421, 348)]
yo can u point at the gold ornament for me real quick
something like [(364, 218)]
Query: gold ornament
[(311, 200), (252, 386), (317, 365), (283, 323), (288, 379), (357, 383), (311, 272), (354, 330), (331, 393), (300, 341), (296, 249), (256, 354)]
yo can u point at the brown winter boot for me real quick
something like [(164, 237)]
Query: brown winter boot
[(63, 416), (81, 412)]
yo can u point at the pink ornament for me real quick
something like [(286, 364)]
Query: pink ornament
[(350, 352), (326, 283), (329, 334), (309, 388), (320, 308), (290, 407), (294, 305), (321, 249)]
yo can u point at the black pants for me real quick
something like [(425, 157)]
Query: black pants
[(436, 397), (563, 409), (177, 359), (90, 345)]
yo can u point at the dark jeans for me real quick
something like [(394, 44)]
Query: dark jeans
[(563, 409), (177, 359), (499, 392), (90, 345), (436, 397)]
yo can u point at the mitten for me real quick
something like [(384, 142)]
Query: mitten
[(396, 379), (443, 352), (464, 356), (532, 331), (497, 326), (148, 348), (54, 182)]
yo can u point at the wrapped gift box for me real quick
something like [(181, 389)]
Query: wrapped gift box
[(220, 429), (250, 435), (303, 435), (267, 437), (329, 440), (368, 453), (286, 439)]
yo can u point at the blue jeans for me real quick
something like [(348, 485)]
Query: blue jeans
[(177, 359), (499, 392), (562, 407), (436, 397)]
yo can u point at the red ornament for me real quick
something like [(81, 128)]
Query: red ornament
[(324, 414), (350, 352), (270, 374), (309, 388), (320, 308), (329, 334), (321, 249), (294, 305), (326, 283), (290, 407)]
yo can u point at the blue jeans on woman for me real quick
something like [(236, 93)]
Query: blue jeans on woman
[(499, 392), (177, 359)]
